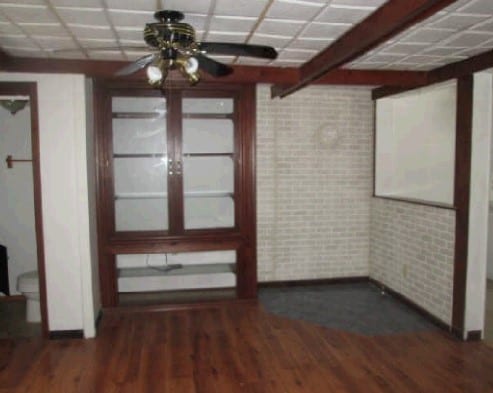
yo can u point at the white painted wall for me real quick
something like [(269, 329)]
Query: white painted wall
[(17, 229), (415, 144), (65, 206), (479, 202)]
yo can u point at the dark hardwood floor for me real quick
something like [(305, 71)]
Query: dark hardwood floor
[(241, 348)]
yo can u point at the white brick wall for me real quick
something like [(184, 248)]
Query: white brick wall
[(314, 198), (412, 252)]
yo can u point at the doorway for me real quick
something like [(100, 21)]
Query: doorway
[(24, 309)]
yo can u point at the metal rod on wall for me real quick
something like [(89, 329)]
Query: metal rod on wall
[(10, 160)]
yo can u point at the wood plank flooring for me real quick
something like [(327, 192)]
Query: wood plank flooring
[(241, 348)]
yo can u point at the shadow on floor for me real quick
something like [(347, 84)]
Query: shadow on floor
[(360, 308), (13, 320)]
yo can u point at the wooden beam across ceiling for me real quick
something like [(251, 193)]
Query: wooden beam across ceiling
[(241, 74), (387, 21)]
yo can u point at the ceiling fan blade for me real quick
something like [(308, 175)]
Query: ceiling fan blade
[(212, 67), (225, 48), (137, 65)]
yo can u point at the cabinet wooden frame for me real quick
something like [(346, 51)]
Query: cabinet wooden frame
[(241, 237)]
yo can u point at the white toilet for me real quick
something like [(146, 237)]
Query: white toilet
[(28, 284)]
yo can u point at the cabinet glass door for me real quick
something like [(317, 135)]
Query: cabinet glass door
[(208, 153), (140, 163)]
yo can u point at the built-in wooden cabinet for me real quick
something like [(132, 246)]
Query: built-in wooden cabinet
[(176, 175)]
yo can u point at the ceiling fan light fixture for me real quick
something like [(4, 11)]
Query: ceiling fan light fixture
[(189, 67), (154, 75)]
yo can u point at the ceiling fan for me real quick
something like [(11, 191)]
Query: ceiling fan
[(176, 48)]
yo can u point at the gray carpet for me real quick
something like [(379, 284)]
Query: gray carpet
[(359, 308)]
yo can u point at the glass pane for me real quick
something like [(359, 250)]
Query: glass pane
[(140, 163), (209, 190), (207, 105), (208, 136)]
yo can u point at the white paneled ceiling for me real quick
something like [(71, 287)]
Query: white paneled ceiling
[(112, 29), (459, 31)]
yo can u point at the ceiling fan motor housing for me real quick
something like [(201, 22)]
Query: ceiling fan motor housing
[(169, 32)]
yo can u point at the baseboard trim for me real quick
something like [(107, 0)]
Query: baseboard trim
[(65, 334), (178, 306), (474, 335), (425, 313), (310, 282), (12, 298)]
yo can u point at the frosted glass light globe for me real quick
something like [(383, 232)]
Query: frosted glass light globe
[(192, 65), (154, 74)]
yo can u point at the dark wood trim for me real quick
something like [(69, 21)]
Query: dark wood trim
[(65, 334), (417, 202), (461, 68), (12, 298), (179, 306), (99, 317), (420, 310), (462, 184), (241, 74), (387, 21), (247, 254), (474, 335), (241, 237), (30, 89), (313, 282)]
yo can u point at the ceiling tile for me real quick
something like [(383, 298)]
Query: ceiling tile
[(307, 43), (287, 63), (253, 61), (78, 3), (222, 36), (276, 41), (92, 43), (106, 55), (25, 52), (46, 29), (294, 54), (195, 6), (28, 13), (427, 35), (68, 55), (466, 39), (7, 28), (130, 18), (383, 58), (360, 3), (472, 51), (459, 21), (288, 28), (85, 31), (49, 43), (479, 7), (240, 7), (405, 49), (223, 59), (364, 66), (325, 30), (141, 5), (424, 59), (83, 16), (130, 33), (441, 51), (232, 23), (301, 10), (486, 26), (13, 41), (343, 14)]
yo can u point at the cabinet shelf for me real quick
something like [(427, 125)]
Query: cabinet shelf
[(207, 115), (192, 155), (139, 155), (139, 115), (164, 195)]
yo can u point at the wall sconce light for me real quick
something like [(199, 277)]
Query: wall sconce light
[(14, 106)]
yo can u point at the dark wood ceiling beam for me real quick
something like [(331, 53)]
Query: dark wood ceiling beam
[(241, 74), (4, 60), (458, 69), (387, 21)]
